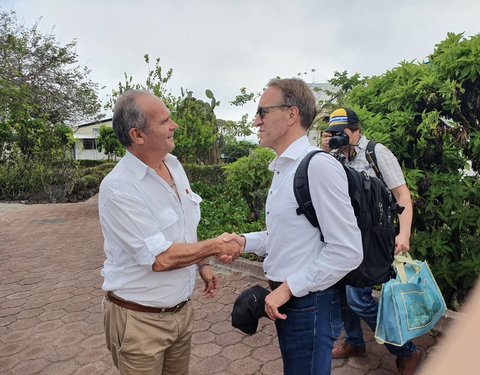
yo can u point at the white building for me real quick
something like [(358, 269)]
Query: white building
[(86, 140)]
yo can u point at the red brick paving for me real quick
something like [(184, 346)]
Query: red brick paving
[(50, 305)]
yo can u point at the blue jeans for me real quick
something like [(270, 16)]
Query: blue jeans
[(362, 305), (306, 337)]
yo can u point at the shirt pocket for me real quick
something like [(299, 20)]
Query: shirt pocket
[(193, 207), (166, 218)]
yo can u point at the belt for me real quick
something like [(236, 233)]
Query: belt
[(274, 284), (137, 307)]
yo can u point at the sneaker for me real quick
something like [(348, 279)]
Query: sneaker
[(408, 365), (347, 350)]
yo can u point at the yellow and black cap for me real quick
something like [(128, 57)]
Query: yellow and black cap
[(340, 119)]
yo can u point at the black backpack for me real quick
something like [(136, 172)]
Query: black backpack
[(375, 208)]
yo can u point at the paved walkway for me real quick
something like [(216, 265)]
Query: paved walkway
[(50, 305)]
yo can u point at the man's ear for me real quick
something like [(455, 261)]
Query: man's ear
[(293, 115), (136, 136)]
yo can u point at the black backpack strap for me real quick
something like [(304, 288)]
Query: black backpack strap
[(370, 154), (372, 158), (302, 190)]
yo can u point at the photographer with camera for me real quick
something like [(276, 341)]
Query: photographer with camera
[(343, 139)]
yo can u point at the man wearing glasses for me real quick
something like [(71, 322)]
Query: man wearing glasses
[(302, 270)]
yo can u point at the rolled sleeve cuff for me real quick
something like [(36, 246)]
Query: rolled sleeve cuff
[(155, 245)]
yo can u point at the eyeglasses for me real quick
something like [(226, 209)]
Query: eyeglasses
[(261, 110)]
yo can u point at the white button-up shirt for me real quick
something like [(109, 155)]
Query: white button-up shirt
[(292, 246), (141, 217)]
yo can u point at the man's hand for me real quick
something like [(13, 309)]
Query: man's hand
[(325, 139), (277, 298), (232, 246), (402, 244), (211, 281)]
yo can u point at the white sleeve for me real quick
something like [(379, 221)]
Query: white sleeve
[(256, 243), (389, 167), (127, 222)]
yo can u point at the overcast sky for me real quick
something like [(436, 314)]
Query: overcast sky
[(226, 45)]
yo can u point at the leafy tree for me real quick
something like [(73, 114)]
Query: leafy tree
[(252, 178), (238, 149), (40, 78), (33, 137), (201, 135), (428, 114), (156, 82), (38, 161), (109, 143), (343, 85), (195, 136), (243, 128)]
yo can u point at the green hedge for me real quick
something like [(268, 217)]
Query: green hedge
[(94, 163), (224, 210), (207, 174)]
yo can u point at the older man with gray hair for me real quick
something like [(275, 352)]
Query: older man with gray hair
[(149, 216)]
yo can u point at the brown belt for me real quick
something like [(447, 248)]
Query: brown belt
[(137, 307), (274, 284)]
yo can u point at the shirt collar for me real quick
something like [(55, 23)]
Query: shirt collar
[(362, 144), (293, 152), (139, 168)]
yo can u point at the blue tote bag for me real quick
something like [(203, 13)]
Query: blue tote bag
[(410, 305)]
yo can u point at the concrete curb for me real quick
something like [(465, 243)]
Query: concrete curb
[(255, 269), (245, 266)]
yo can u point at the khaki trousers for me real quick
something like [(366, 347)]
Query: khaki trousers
[(148, 343)]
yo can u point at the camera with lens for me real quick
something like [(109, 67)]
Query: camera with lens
[(338, 140)]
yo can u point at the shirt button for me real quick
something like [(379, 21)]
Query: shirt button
[(268, 212), (265, 273), (266, 255), (278, 172)]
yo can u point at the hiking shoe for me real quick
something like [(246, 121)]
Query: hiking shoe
[(347, 350), (408, 365)]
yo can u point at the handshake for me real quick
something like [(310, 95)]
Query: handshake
[(230, 246)]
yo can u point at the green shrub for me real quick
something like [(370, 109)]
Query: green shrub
[(80, 185), (24, 177), (91, 181), (223, 210), (104, 166), (251, 177), (428, 114), (93, 163), (207, 174)]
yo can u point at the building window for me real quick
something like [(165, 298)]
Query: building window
[(89, 144)]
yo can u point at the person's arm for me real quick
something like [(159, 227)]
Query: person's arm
[(209, 278), (254, 243), (394, 179), (180, 255), (128, 223), (402, 241)]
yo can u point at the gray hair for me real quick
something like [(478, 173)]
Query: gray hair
[(127, 114), (296, 93)]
